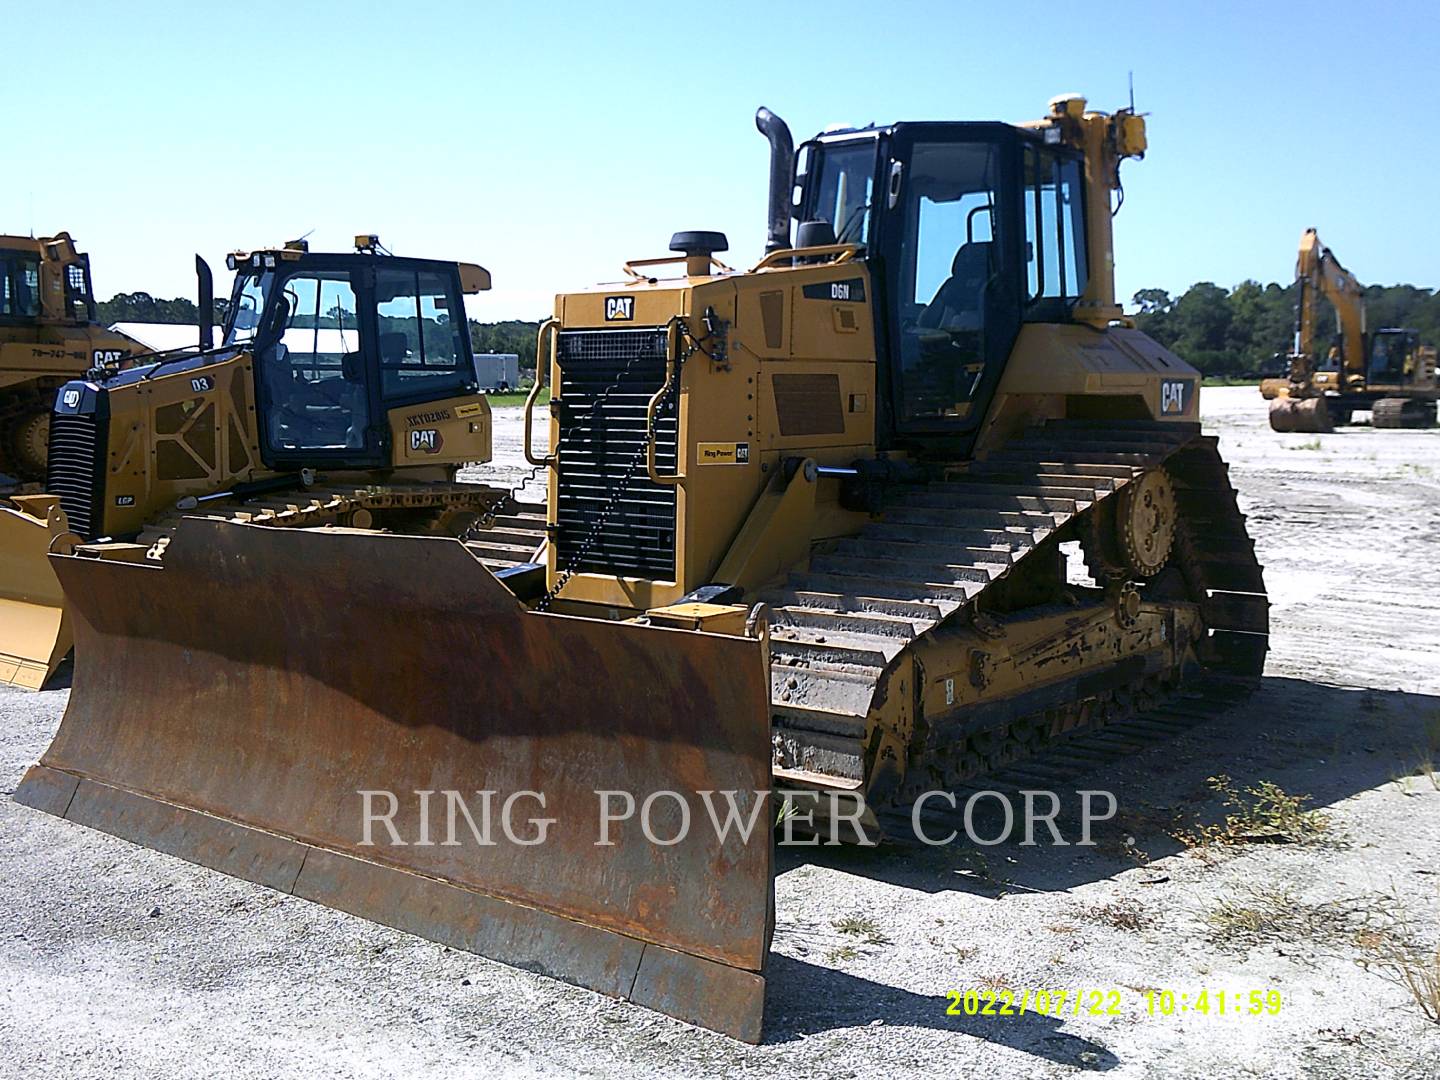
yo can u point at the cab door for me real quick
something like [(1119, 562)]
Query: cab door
[(949, 242), (315, 367)]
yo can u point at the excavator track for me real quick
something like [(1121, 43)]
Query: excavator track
[(510, 538), (928, 560)]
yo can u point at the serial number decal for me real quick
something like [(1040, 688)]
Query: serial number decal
[(850, 290), (426, 441), (428, 418), (1206, 1001), (723, 453), (473, 409), (619, 308), (1174, 396)]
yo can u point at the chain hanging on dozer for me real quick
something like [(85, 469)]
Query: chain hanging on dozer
[(512, 497), (689, 346)]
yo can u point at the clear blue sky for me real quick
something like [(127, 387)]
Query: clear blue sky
[(550, 141)]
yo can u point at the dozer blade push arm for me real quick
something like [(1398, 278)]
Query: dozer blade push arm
[(234, 704)]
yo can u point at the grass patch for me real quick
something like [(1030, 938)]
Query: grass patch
[(1392, 948), (863, 927), (1308, 444), (1124, 915), (1263, 814), (841, 953), (516, 397)]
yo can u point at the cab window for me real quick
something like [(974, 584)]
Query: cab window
[(949, 260), (1055, 267), (846, 183), (19, 286), (313, 367), (424, 350)]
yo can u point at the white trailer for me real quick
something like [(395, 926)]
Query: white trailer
[(497, 371)]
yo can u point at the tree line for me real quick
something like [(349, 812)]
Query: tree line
[(510, 336), (1229, 332), (1238, 332)]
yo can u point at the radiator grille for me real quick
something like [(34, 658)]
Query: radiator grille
[(601, 433), (73, 474)]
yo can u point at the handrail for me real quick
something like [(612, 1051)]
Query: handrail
[(543, 358), (672, 349), (664, 260), (841, 253)]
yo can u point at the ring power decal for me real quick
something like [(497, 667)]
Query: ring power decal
[(723, 453)]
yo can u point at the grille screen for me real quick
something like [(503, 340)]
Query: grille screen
[(607, 378), (74, 446)]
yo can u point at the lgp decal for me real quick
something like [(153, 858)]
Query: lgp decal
[(1174, 396), (848, 291), (619, 309), (425, 441), (124, 500)]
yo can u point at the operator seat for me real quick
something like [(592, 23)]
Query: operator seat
[(959, 304)]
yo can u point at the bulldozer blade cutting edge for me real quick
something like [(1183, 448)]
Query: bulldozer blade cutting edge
[(34, 627), (231, 705)]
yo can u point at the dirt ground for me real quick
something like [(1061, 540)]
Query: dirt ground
[(117, 961)]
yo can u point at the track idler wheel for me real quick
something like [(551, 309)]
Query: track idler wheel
[(27, 445), (1302, 414)]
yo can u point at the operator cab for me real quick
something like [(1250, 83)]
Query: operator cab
[(969, 229), (1392, 355), (339, 340), (25, 266)]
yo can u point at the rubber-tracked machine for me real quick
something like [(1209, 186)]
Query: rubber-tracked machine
[(1387, 371), (48, 336), (809, 531), (342, 393)]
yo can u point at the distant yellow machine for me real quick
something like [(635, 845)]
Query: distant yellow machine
[(1387, 371), (807, 531), (48, 335)]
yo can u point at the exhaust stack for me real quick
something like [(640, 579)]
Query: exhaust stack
[(782, 176), (206, 303)]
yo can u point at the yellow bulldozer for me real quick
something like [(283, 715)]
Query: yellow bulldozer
[(1387, 371), (809, 531), (358, 411), (48, 335)]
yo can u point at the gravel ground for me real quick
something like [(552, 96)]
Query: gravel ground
[(117, 961)]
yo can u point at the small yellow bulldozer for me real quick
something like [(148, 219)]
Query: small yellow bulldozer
[(48, 335), (359, 410), (807, 532)]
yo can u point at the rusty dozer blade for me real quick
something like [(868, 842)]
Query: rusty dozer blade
[(34, 629), (233, 704)]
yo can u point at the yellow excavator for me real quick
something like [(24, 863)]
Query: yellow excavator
[(808, 532), (342, 392), (48, 335), (1387, 371)]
